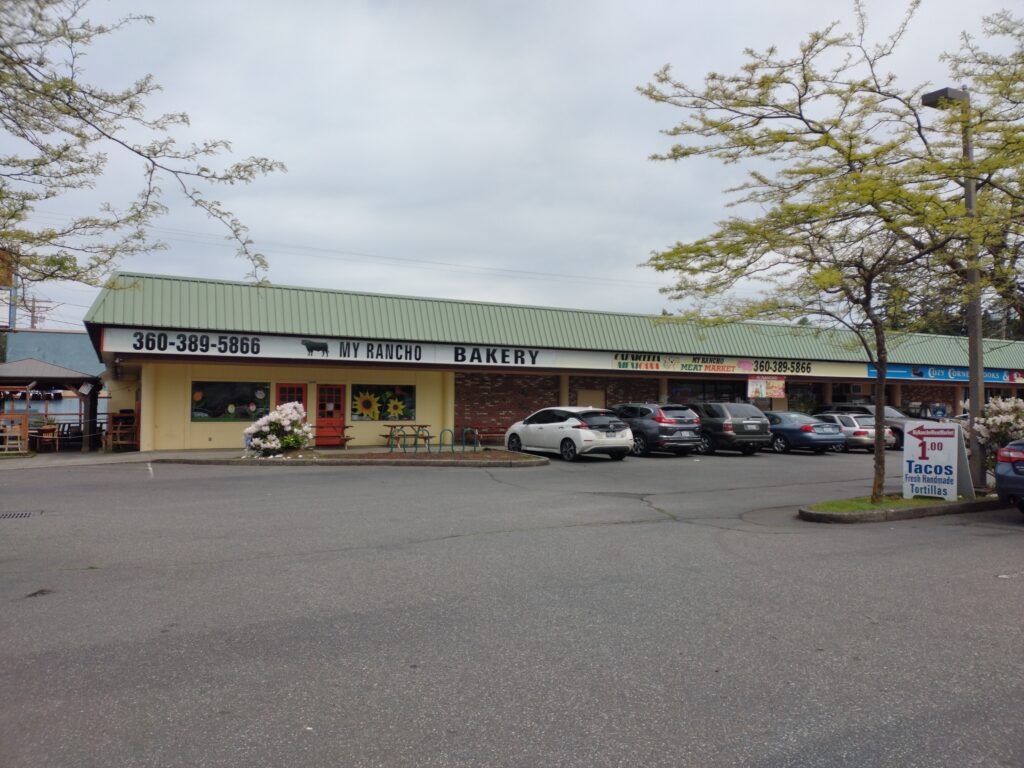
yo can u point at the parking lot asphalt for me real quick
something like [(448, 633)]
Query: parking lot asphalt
[(653, 612)]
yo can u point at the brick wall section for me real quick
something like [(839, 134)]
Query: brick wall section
[(491, 402), (615, 390)]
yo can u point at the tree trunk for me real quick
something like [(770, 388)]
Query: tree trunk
[(882, 364)]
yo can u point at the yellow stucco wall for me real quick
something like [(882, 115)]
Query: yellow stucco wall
[(166, 422), (122, 395)]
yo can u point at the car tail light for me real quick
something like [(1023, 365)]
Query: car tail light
[(727, 427), (806, 428), (697, 421), (661, 418), (860, 433), (1010, 455)]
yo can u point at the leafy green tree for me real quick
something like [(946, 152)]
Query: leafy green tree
[(997, 85), (853, 203), (57, 131)]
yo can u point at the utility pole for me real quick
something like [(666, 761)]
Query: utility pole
[(942, 99)]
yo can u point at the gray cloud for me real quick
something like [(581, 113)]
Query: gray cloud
[(431, 145)]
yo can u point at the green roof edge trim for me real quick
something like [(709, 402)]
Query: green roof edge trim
[(166, 301)]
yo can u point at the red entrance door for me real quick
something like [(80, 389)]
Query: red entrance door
[(330, 414)]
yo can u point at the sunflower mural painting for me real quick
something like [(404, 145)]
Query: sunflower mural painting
[(379, 403)]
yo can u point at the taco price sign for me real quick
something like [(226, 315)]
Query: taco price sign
[(935, 461)]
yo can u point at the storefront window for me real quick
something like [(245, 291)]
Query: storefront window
[(229, 400), (804, 396), (681, 391), (374, 402)]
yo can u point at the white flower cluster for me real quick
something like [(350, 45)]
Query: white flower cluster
[(283, 428), (1001, 421)]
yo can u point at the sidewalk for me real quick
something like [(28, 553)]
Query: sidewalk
[(326, 457)]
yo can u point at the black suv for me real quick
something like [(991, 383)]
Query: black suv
[(732, 426), (665, 427)]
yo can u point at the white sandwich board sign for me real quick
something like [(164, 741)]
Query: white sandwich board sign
[(935, 461)]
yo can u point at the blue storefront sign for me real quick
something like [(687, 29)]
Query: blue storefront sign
[(946, 373)]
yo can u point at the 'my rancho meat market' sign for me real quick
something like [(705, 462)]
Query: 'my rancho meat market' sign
[(177, 343)]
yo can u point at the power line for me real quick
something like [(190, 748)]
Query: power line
[(342, 254)]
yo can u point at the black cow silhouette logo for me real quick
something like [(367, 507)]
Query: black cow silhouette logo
[(315, 346)]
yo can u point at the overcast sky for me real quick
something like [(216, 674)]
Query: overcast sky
[(479, 150)]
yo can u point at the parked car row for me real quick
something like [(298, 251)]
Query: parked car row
[(682, 428), (1010, 474)]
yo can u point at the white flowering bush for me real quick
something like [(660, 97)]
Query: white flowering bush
[(283, 429), (1001, 421)]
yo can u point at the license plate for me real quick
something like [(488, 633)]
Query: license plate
[(684, 433), (750, 427)]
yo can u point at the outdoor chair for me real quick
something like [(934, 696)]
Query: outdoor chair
[(10, 441)]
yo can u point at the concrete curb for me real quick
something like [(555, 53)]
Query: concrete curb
[(536, 461), (902, 513)]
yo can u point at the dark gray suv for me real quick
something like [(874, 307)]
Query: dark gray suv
[(660, 427), (732, 426)]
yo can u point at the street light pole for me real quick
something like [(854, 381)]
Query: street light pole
[(940, 99)]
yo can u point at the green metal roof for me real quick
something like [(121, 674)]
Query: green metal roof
[(157, 301)]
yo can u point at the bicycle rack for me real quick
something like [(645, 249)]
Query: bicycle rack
[(393, 440), (416, 440), (401, 432)]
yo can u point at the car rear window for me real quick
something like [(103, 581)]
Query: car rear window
[(865, 421), (679, 413), (803, 418), (744, 411), (598, 419)]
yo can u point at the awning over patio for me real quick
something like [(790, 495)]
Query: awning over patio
[(31, 374)]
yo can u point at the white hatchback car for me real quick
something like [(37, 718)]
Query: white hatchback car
[(571, 431)]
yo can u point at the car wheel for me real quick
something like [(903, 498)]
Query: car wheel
[(639, 445), (870, 449), (514, 443), (898, 445), (748, 450), (843, 448), (619, 455), (683, 452), (780, 444), (568, 450), (1020, 505), (819, 451), (707, 446)]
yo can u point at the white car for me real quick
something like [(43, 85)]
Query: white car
[(571, 431)]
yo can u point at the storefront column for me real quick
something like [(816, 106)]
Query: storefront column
[(895, 395), (826, 392), (662, 389), (448, 401), (563, 389), (147, 429)]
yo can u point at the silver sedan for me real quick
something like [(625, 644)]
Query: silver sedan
[(858, 429)]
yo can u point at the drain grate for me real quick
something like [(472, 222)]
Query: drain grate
[(20, 515)]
